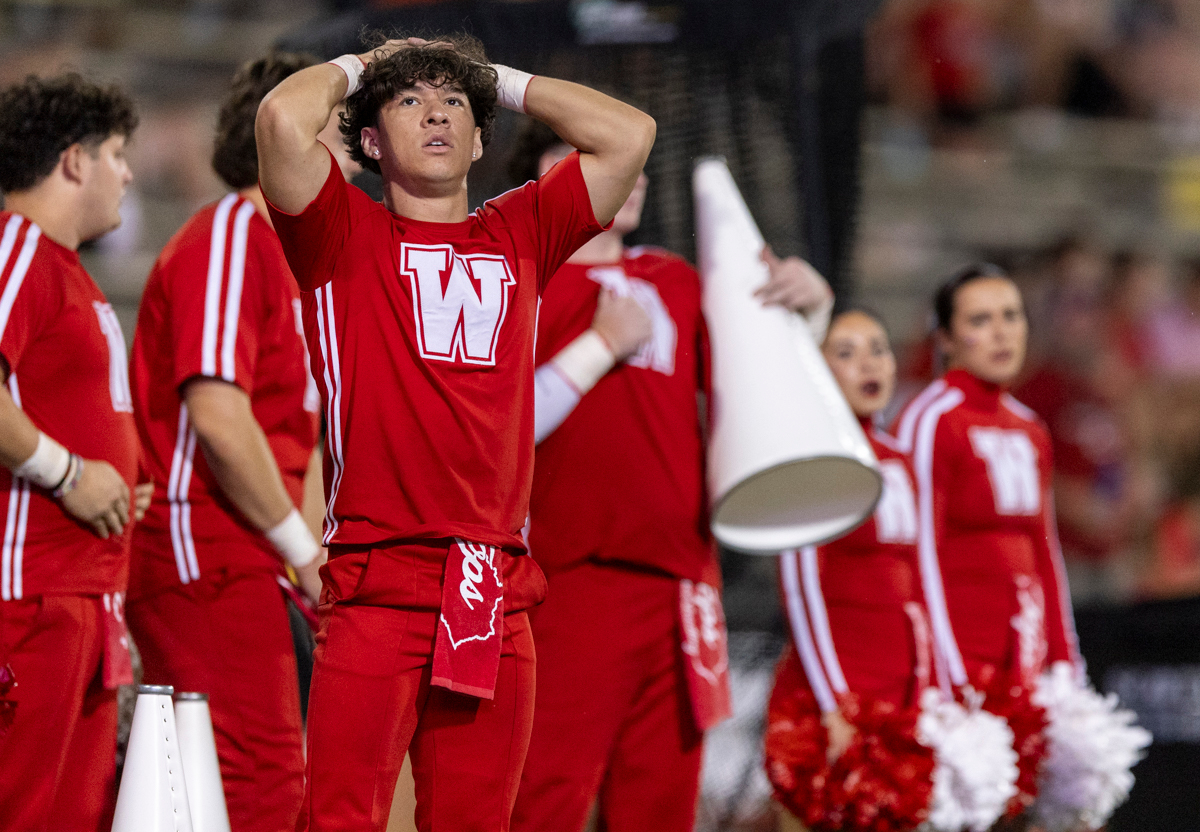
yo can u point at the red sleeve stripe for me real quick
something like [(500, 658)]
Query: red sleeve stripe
[(1065, 610), (332, 376), (13, 550), (236, 244), (925, 429), (19, 269), (802, 635)]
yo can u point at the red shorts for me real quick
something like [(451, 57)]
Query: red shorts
[(227, 635), (371, 701), (614, 718), (58, 760)]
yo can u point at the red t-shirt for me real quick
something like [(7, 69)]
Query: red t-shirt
[(622, 478), (65, 358), (422, 340), (989, 549), (220, 303)]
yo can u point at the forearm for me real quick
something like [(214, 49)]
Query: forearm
[(291, 161), (554, 398), (18, 435), (613, 138), (237, 451)]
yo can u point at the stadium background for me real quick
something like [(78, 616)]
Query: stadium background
[(886, 140)]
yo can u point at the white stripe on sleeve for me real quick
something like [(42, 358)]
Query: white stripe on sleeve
[(801, 634), (233, 294), (212, 286), (931, 573)]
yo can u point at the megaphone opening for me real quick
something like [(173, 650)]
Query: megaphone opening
[(762, 516)]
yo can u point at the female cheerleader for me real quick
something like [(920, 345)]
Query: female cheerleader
[(988, 549), (848, 688)]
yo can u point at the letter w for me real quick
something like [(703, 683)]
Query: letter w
[(459, 302)]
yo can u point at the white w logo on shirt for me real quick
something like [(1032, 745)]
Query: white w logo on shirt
[(1012, 468), (896, 514), (118, 362), (461, 321), (659, 352)]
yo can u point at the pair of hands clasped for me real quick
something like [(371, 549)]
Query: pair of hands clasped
[(101, 499), (793, 284)]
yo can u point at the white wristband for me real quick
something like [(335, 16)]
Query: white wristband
[(585, 360), (293, 540), (48, 465), (352, 65), (510, 87)]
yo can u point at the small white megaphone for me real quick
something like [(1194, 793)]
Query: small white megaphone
[(788, 464)]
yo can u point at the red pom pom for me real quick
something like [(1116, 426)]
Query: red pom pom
[(882, 782), (1028, 721)]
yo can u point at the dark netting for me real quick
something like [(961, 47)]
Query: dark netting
[(773, 86)]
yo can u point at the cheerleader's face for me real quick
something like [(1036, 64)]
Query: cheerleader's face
[(858, 353), (988, 330)]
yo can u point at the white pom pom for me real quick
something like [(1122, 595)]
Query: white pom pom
[(1093, 744), (975, 772)]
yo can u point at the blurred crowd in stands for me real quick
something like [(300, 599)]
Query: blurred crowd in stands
[(955, 60)]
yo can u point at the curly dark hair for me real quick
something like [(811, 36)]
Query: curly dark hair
[(532, 143), (235, 153), (42, 117), (462, 64)]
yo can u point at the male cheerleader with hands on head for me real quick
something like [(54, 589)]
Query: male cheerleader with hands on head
[(420, 319)]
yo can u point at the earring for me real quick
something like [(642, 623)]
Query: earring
[(376, 154), (473, 154)]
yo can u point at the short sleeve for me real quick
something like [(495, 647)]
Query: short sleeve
[(216, 303), (561, 214), (29, 301), (313, 239)]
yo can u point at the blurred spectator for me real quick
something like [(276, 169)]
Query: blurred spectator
[(1172, 569), (957, 60), (1139, 286), (1101, 493), (1173, 332)]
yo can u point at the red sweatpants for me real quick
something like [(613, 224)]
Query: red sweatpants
[(58, 760), (227, 635), (613, 720), (371, 700)]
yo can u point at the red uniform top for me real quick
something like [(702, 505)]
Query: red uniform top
[(855, 605), (65, 358), (622, 478), (220, 303), (989, 554), (423, 339)]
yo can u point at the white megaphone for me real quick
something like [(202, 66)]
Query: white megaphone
[(201, 771), (788, 464), (153, 795)]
